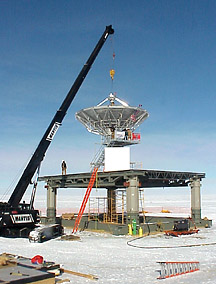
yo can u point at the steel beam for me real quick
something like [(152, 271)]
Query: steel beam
[(117, 179)]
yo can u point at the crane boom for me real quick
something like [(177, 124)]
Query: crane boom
[(40, 151)]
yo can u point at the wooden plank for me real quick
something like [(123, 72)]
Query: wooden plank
[(89, 276)]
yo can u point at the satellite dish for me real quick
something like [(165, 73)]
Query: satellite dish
[(117, 115)]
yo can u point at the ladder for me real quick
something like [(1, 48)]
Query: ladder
[(171, 268), (85, 200), (100, 155), (98, 159)]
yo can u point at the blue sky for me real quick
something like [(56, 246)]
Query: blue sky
[(165, 60)]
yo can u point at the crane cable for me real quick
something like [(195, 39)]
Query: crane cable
[(112, 70)]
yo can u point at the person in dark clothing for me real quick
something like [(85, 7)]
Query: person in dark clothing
[(126, 134), (64, 168)]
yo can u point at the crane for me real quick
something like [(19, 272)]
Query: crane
[(17, 219)]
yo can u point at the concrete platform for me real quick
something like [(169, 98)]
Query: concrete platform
[(131, 181)]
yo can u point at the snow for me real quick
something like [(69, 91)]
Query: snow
[(112, 260)]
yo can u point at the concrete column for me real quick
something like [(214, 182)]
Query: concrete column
[(51, 204), (132, 200), (195, 200), (111, 197)]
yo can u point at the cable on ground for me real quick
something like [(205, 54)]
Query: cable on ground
[(167, 247)]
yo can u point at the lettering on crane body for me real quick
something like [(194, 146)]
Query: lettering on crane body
[(22, 218), (53, 131)]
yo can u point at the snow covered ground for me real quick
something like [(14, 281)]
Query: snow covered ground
[(114, 261)]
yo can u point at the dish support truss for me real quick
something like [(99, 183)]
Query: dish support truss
[(103, 120)]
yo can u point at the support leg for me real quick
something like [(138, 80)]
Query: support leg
[(195, 200), (132, 200), (111, 197), (51, 204)]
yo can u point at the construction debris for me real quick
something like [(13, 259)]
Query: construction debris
[(68, 216), (62, 281), (70, 238), (89, 276), (6, 260)]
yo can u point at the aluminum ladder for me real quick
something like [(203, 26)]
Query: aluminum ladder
[(100, 155), (171, 268)]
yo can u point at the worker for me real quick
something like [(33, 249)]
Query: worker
[(129, 134), (64, 167), (112, 129), (126, 134)]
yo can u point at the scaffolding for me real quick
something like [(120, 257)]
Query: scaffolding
[(112, 209)]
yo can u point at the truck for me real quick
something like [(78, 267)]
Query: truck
[(18, 218)]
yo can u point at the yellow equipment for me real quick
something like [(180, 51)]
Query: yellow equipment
[(112, 73), (140, 232), (130, 229)]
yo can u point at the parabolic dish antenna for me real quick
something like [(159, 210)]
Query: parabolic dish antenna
[(117, 115)]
